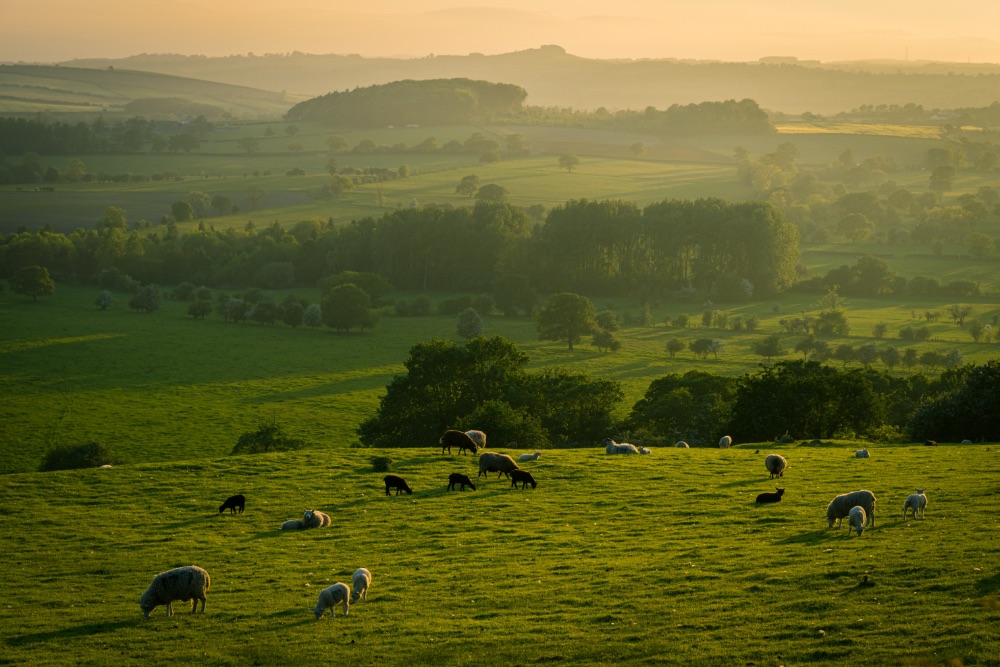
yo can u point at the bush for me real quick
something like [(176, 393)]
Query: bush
[(381, 463), (268, 437), (72, 457)]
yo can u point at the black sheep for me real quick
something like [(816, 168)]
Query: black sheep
[(232, 503), (522, 476), (458, 478), (398, 483), (770, 497), (459, 439)]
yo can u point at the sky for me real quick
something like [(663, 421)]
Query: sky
[(730, 30)]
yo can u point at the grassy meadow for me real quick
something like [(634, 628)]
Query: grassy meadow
[(163, 386), (661, 559)]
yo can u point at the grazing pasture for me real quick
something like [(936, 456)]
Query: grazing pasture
[(163, 386), (624, 560)]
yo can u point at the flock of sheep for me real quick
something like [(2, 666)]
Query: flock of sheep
[(192, 582)]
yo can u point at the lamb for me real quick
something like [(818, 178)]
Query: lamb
[(458, 478), (396, 482), (775, 464), (862, 454), (725, 442), (528, 457), (362, 580), (495, 462), (522, 476), (459, 439), (293, 524), (856, 519), (612, 447), (232, 503), (916, 502), (644, 450), (683, 445), (478, 437), (770, 497), (330, 597), (315, 519), (841, 506), (182, 583)]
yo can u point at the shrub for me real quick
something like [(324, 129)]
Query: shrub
[(269, 437), (72, 457), (381, 463)]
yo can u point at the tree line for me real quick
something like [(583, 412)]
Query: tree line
[(609, 248), (484, 384)]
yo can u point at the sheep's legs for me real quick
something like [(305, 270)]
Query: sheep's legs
[(170, 609)]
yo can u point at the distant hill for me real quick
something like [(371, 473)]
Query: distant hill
[(553, 77), (428, 102), (57, 89)]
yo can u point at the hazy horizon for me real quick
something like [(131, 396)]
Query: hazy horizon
[(729, 30)]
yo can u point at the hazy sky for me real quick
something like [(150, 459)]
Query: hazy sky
[(55, 30)]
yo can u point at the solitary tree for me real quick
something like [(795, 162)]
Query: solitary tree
[(470, 324), (638, 149), (568, 161), (33, 281), (104, 300), (768, 347), (674, 345), (468, 185), (345, 307), (492, 192), (566, 316)]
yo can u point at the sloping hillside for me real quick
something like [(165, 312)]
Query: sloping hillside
[(38, 88)]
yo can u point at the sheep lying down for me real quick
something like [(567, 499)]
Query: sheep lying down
[(182, 583)]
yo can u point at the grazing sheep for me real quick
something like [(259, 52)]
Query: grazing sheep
[(862, 454), (232, 503), (529, 457), (856, 519), (682, 444), (964, 442), (106, 466), (841, 506), (293, 524), (458, 478), (612, 447), (460, 439), (182, 583), (770, 497), (395, 482), (786, 439), (315, 519), (494, 462), (916, 502), (330, 597), (522, 476), (725, 442), (362, 580), (644, 450), (478, 437), (775, 464), (930, 443)]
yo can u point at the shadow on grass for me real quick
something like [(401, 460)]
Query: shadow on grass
[(66, 633), (988, 585), (191, 522), (744, 482), (808, 537)]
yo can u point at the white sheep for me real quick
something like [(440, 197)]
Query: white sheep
[(862, 454), (292, 524), (182, 583), (478, 437), (916, 502), (775, 464), (330, 597), (106, 466), (682, 444), (362, 580), (644, 450), (725, 442), (529, 457), (495, 462), (841, 506), (612, 447), (315, 519), (856, 519)]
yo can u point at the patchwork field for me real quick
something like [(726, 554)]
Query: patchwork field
[(659, 559)]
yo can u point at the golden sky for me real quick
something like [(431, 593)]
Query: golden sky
[(736, 30)]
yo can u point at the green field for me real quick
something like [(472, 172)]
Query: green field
[(163, 386), (661, 559)]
